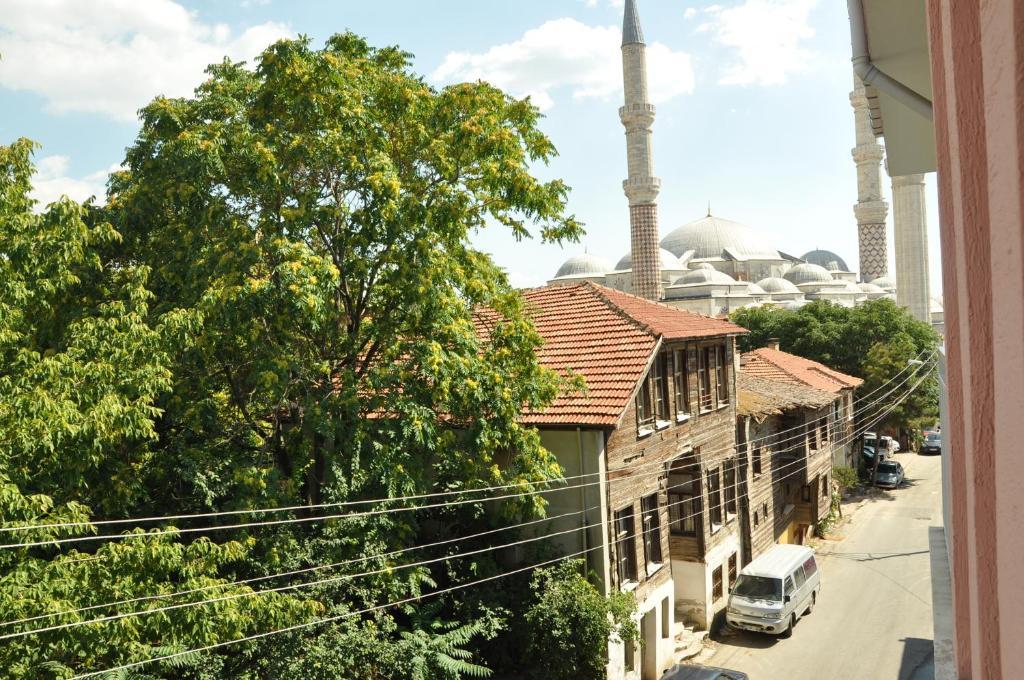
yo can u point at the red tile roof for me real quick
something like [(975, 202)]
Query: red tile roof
[(773, 364), (607, 337)]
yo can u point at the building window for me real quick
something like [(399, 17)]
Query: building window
[(730, 489), (813, 433), (764, 510), (805, 493), (824, 486), (755, 462), (630, 655), (721, 386), (683, 500), (652, 400), (715, 499), (681, 380), (705, 365), (756, 520), (651, 522), (625, 545), (716, 584), (732, 571)]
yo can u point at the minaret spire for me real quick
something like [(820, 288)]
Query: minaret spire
[(871, 208), (641, 186)]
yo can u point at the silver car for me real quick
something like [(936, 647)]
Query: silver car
[(890, 475), (681, 672)]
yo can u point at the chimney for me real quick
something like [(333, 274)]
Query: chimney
[(773, 343)]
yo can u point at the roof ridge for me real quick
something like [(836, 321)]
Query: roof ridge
[(598, 290), (781, 368)]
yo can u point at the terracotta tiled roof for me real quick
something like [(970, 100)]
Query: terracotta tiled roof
[(773, 364), (765, 397), (607, 337)]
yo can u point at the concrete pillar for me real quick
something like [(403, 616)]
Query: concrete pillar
[(911, 243), (871, 209), (641, 187)]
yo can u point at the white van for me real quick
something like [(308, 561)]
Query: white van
[(775, 590)]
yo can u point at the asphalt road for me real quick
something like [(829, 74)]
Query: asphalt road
[(873, 619)]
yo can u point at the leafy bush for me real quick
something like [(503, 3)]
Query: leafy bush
[(571, 622), (845, 477)]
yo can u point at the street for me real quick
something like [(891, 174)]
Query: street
[(873, 618)]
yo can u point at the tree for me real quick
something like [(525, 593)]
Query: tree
[(570, 623), (873, 341), (82, 365)]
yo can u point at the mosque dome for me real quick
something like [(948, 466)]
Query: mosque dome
[(698, 276), (583, 264), (704, 265), (777, 284), (794, 305), (885, 283), (711, 236), (852, 287), (807, 273), (870, 288), (755, 289), (668, 261), (827, 259)]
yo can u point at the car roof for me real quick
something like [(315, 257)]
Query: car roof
[(778, 561), (680, 672)]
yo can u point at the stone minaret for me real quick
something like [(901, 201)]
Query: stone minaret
[(871, 208), (911, 240), (641, 187)]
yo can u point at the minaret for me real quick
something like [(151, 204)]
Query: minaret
[(910, 231), (871, 209), (641, 187)]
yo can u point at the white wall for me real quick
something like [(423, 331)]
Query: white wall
[(662, 651)]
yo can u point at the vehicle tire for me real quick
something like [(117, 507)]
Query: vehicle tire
[(814, 601), (788, 633)]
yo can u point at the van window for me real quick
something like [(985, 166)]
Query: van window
[(789, 586), (798, 574), (810, 566), (758, 588)]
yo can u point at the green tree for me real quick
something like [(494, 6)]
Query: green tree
[(873, 341), (570, 624), (82, 364)]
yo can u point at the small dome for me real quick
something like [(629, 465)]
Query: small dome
[(827, 259), (698, 276), (870, 288), (711, 236), (794, 305), (584, 264), (777, 284), (755, 289), (885, 283), (808, 273), (852, 287), (704, 265), (668, 261)]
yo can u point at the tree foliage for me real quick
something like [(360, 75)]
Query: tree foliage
[(873, 341), (277, 305)]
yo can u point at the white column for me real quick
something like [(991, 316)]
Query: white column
[(871, 209), (911, 243)]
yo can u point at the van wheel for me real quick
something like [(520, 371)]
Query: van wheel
[(814, 601), (788, 633)]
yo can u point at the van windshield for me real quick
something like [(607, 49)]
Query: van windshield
[(758, 588)]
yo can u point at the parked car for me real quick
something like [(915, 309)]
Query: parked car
[(892, 444), (932, 443), (884, 443), (868, 454), (890, 474), (688, 672), (775, 590)]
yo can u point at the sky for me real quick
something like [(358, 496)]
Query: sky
[(752, 96)]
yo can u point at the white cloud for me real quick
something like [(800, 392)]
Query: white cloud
[(51, 181), (689, 13), (767, 36), (567, 54), (112, 57)]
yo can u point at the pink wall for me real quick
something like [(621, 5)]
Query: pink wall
[(978, 85)]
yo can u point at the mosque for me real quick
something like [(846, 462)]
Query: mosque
[(715, 266)]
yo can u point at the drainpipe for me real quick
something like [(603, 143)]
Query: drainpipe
[(871, 74), (583, 492)]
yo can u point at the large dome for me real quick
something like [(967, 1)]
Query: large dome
[(807, 273), (583, 265), (712, 236), (699, 276), (885, 283), (870, 288), (668, 261), (777, 284), (826, 259)]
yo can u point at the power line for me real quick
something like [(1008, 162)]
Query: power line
[(406, 566), (53, 525), (356, 515)]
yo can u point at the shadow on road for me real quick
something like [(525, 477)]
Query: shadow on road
[(739, 638), (917, 662)]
